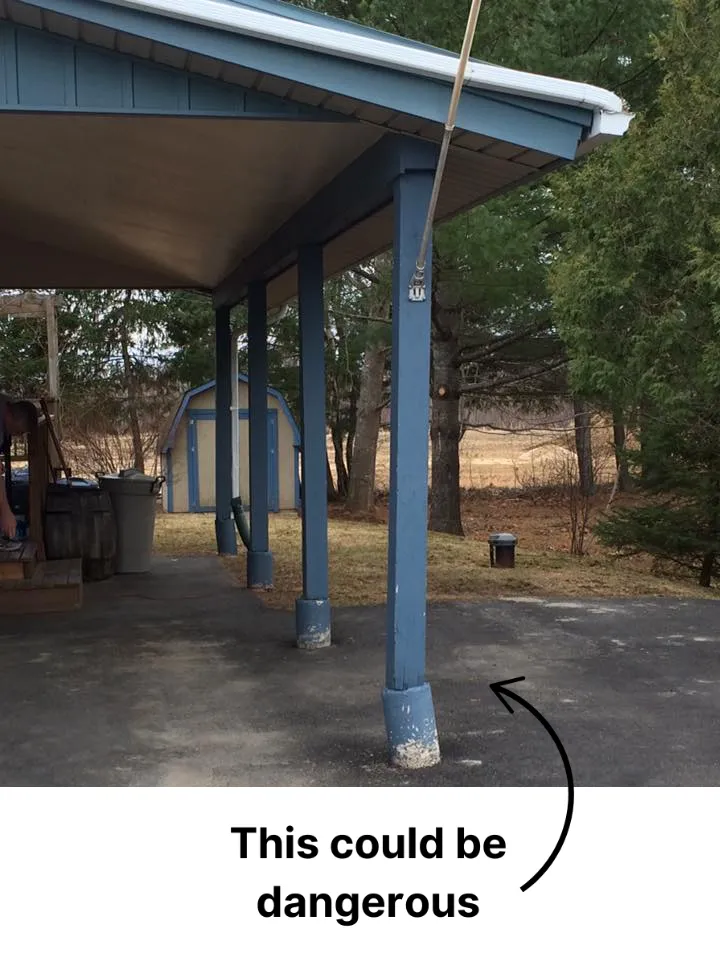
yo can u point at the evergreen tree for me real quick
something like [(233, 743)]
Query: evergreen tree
[(637, 295)]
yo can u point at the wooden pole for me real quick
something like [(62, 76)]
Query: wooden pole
[(34, 305), (38, 470), (53, 373)]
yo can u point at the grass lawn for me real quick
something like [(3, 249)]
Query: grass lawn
[(458, 569)]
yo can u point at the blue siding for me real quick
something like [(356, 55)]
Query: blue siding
[(160, 89), (103, 80), (207, 95), (8, 66), (39, 71), (46, 70)]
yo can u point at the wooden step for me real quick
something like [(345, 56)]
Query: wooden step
[(55, 586), (17, 560)]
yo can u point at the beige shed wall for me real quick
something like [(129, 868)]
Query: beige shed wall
[(206, 454)]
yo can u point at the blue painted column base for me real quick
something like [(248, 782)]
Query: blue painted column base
[(312, 624), (225, 537), (411, 728), (259, 570)]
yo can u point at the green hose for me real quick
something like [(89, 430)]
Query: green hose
[(241, 521)]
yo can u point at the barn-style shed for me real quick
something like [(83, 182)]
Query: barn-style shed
[(188, 452)]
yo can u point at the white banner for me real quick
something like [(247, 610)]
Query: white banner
[(105, 873)]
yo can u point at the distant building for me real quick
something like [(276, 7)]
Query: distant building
[(188, 452)]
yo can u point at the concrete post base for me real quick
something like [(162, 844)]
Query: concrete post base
[(259, 570), (411, 728), (312, 624), (225, 537)]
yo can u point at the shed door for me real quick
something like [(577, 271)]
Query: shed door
[(201, 457)]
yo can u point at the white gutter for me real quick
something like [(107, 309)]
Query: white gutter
[(336, 42)]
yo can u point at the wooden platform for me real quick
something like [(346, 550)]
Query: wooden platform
[(18, 560), (54, 587)]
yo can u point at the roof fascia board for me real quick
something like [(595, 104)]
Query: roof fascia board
[(583, 116), (395, 90), (382, 50), (318, 19)]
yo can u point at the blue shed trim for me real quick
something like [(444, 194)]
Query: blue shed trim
[(169, 482), (197, 413), (192, 473), (196, 391), (298, 499), (385, 87), (46, 72)]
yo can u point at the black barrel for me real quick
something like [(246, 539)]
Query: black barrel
[(79, 523), (502, 549)]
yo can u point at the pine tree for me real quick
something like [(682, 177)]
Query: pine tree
[(637, 295)]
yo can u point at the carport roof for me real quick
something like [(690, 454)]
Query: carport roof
[(122, 165)]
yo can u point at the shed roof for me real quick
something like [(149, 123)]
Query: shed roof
[(167, 440), (196, 143)]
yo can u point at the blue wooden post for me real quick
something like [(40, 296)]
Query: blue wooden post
[(259, 561), (407, 700), (224, 524), (312, 610)]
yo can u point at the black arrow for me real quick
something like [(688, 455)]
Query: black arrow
[(501, 692)]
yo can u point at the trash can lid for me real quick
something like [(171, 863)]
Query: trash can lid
[(503, 539), (130, 474), (131, 481)]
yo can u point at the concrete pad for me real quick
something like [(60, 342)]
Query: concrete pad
[(182, 678)]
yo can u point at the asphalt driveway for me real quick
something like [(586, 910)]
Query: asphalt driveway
[(182, 678)]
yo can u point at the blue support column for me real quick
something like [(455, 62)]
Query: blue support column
[(312, 610), (259, 561), (407, 700), (224, 523)]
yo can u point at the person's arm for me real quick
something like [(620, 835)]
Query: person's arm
[(8, 524)]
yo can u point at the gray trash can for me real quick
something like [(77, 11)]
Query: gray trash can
[(502, 549), (133, 497)]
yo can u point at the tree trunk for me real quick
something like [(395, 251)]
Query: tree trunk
[(131, 391), (583, 447), (340, 469), (445, 515), (332, 492), (708, 563), (623, 474), (352, 430), (361, 497), (706, 571)]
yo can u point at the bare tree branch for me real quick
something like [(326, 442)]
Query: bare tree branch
[(493, 387)]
